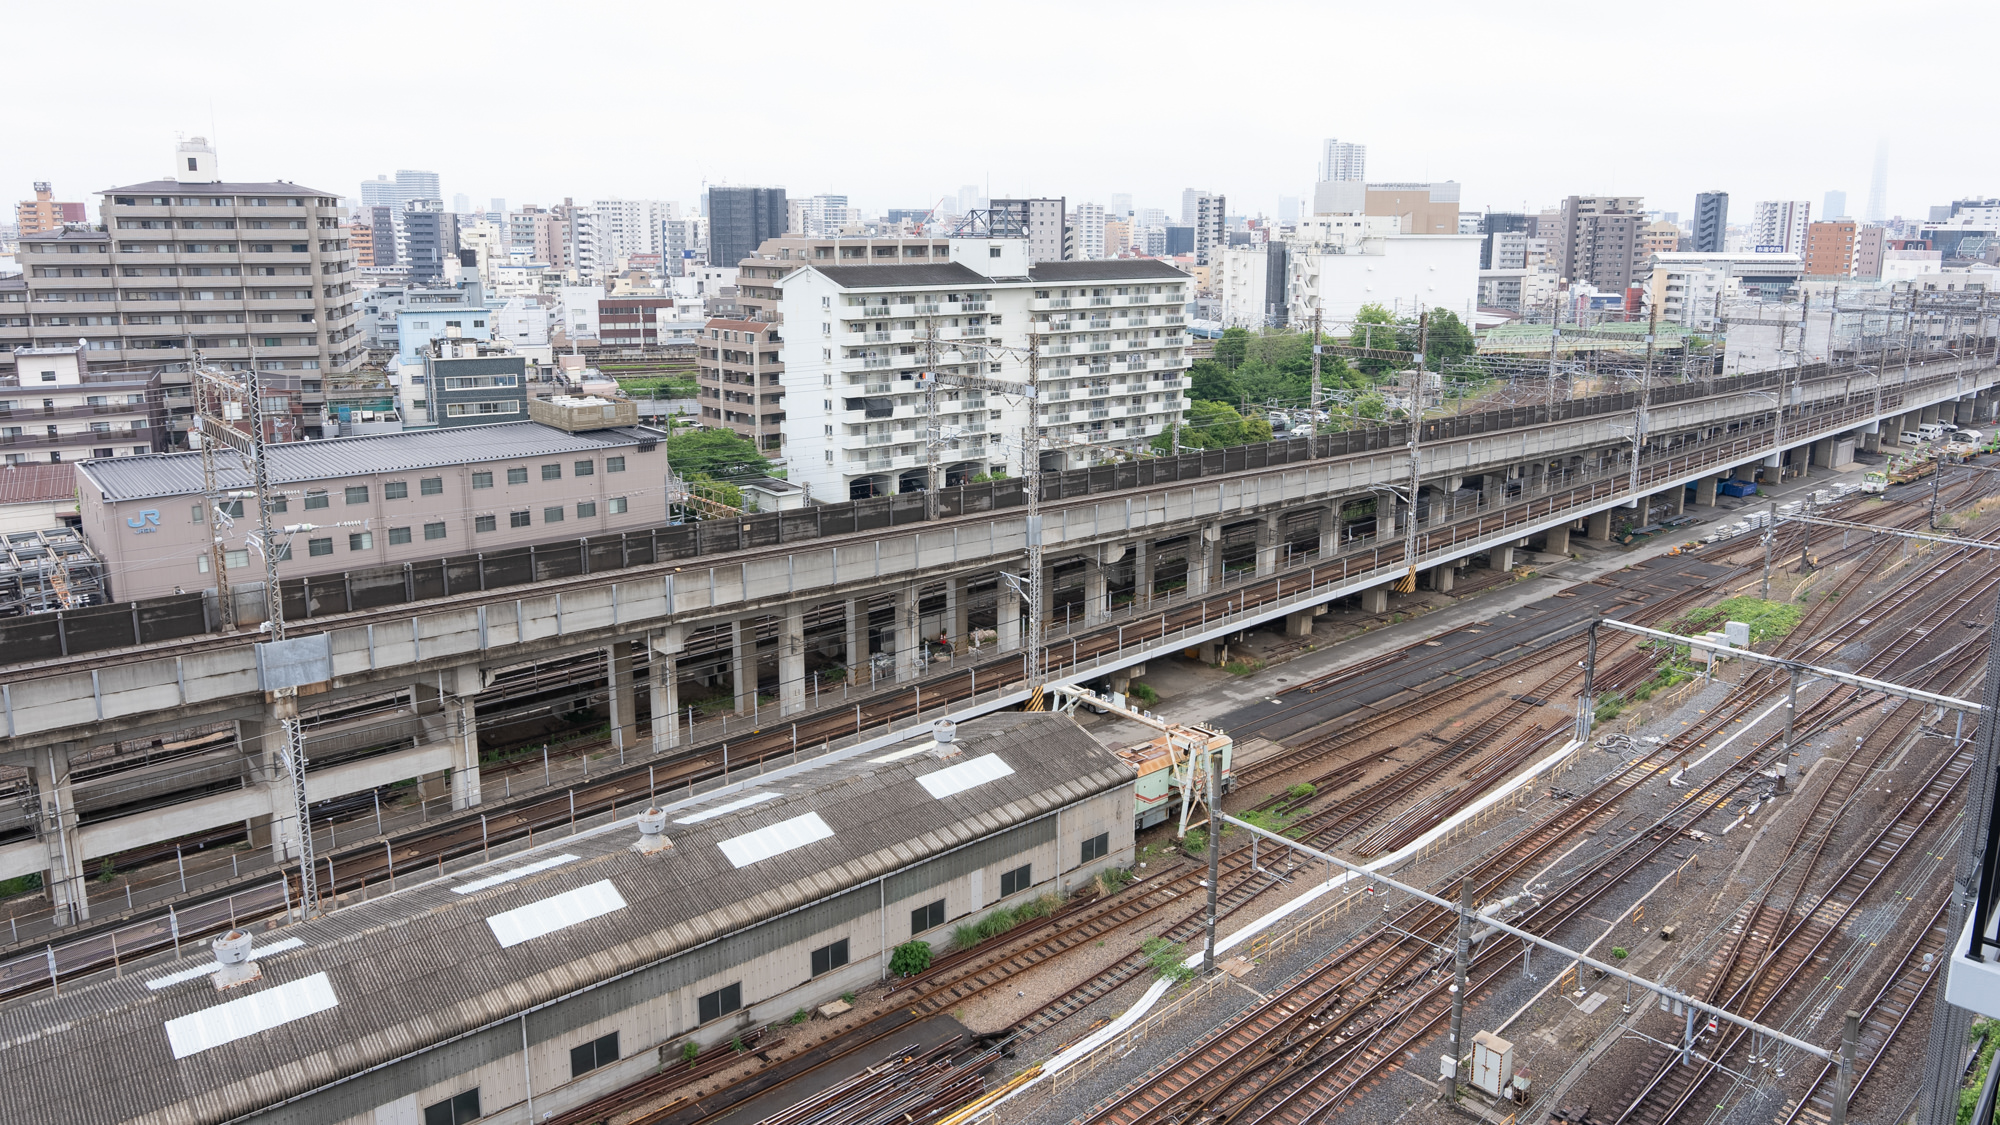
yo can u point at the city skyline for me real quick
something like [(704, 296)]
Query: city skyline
[(110, 134)]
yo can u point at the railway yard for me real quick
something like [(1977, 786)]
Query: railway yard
[(1785, 861)]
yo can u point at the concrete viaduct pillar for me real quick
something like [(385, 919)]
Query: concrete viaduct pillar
[(64, 880), (1097, 584), (622, 705), (909, 643), (278, 828), (854, 645), (1443, 577), (1557, 540), (663, 682), (1677, 499), (454, 722), (1500, 558), (1329, 531), (1205, 558), (1007, 622), (792, 660), (1375, 599), (1270, 527), (1600, 526), (743, 666), (1704, 491), (1142, 572), (958, 609)]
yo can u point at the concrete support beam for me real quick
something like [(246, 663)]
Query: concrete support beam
[(1096, 593), (909, 642), (1443, 578), (1375, 599), (792, 660), (1677, 500), (1557, 541), (64, 880), (1008, 623), (743, 665), (623, 704), (1745, 472), (1121, 681), (273, 781), (1205, 558), (1269, 528), (1704, 491), (1500, 558), (1300, 624), (854, 650), (1600, 526), (1142, 572), (958, 608), (663, 684)]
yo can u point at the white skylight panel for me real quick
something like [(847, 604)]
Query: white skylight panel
[(522, 872), (250, 1015), (719, 810), (775, 839), (923, 747), (208, 968), (525, 923), (965, 775)]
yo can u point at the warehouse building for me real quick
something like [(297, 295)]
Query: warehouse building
[(374, 501), (529, 986)]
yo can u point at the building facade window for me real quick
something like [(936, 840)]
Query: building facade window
[(319, 546), (827, 958), (601, 1051), (434, 486), (398, 535), (615, 506), (459, 1109), (586, 509), (316, 499), (434, 530), (614, 464), (586, 468), (482, 480), (927, 917), (361, 541), (484, 523), (717, 1004), (1017, 880), (1096, 847), (553, 514), (517, 519), (551, 472), (357, 494), (395, 490), (517, 476)]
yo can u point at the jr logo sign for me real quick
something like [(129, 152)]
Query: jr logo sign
[(145, 523)]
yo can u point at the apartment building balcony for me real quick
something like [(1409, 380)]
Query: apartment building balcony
[(1094, 301), (1099, 322), (967, 306), (1100, 390), (1173, 318), (1048, 304), (1051, 327), (1142, 298)]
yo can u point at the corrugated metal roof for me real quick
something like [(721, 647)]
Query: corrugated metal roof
[(1108, 269), (418, 967), (728, 807), (37, 483), (902, 276), (250, 1015), (521, 872), (775, 839), (556, 912), (154, 475)]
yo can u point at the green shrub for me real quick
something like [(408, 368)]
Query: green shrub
[(800, 1017), (1767, 619), (1166, 957), (736, 1044), (1303, 791), (1111, 880), (1619, 952), (910, 958), (848, 997), (1270, 820), (1144, 693), (689, 1050), (1968, 1095)]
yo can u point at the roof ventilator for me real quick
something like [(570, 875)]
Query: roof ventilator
[(653, 831), (944, 736), (233, 965)]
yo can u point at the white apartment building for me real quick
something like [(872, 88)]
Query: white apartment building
[(624, 227), (1691, 293), (1338, 263), (857, 339), (1087, 220), (1779, 226), (1244, 282)]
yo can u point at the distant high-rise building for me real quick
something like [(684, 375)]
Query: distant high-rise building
[(1087, 221), (1211, 229), (1121, 204), (496, 206), (1045, 221), (1878, 185), (416, 185), (1177, 238), (970, 199), (1711, 221), (1500, 222), (461, 204), (1189, 198), (1832, 249), (382, 234), (631, 226), (1835, 206), (1288, 208), (1598, 241), (1341, 161), (380, 190), (45, 213), (1778, 226), (740, 219), (823, 216), (431, 237)]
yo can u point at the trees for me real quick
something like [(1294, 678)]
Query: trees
[(1230, 349), (719, 455), (1212, 425)]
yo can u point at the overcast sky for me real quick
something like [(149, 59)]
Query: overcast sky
[(897, 104)]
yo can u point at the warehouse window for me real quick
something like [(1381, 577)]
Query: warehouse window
[(482, 480), (277, 504), (361, 541), (614, 464), (828, 958), (551, 472), (517, 476), (398, 535), (1017, 880), (395, 490), (434, 486), (602, 1051), (357, 494), (460, 1109), (552, 514), (1096, 847), (517, 519), (316, 498), (434, 530), (484, 523), (615, 506), (721, 1002), (319, 546), (926, 917), (586, 509), (586, 468)]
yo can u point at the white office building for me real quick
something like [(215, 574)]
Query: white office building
[(1778, 226), (1087, 221), (1339, 160), (1112, 352), (624, 227), (1342, 262)]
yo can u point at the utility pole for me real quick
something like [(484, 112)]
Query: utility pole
[(1035, 662), (932, 437), (1418, 380), (1555, 338), (1212, 766), (1461, 963), (1639, 414), (212, 407), (1770, 538)]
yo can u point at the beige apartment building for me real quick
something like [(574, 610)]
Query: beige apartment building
[(54, 408), (739, 369), (241, 272)]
